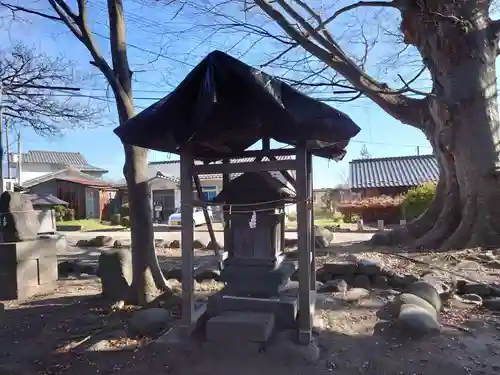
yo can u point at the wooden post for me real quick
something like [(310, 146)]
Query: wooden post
[(312, 237), (225, 214), (304, 323), (187, 256)]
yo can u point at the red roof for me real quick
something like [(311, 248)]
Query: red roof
[(97, 183)]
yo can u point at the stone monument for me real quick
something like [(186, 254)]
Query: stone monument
[(255, 270), (28, 263)]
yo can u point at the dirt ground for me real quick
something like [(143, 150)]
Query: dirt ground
[(54, 334)]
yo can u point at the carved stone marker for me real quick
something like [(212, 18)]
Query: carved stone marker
[(18, 220), (255, 266), (28, 263)]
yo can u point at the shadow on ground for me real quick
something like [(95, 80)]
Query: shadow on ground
[(35, 334)]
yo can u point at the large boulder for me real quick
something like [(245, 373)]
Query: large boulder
[(322, 237), (18, 220), (149, 322), (417, 320), (394, 307), (427, 292), (115, 271)]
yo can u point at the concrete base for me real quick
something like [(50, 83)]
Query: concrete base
[(236, 326), (28, 268), (284, 307)]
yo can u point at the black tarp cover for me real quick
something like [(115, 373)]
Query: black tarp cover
[(223, 106)]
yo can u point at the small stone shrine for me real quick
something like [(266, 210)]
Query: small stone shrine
[(255, 270), (28, 263)]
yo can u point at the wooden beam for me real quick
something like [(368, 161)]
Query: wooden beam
[(286, 175), (267, 166), (187, 255), (305, 319), (262, 153)]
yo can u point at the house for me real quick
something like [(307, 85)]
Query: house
[(340, 194), (87, 195), (164, 185), (38, 163), (391, 176)]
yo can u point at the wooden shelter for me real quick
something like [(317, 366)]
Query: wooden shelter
[(221, 109)]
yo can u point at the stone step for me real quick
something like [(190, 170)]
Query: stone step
[(240, 326)]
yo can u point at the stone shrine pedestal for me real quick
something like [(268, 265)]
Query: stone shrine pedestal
[(28, 268)]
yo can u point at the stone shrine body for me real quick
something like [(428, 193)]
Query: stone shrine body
[(255, 271), (28, 262)]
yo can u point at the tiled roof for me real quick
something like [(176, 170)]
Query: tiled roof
[(393, 172), (45, 200), (73, 159), (95, 183)]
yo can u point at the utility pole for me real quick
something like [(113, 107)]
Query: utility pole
[(7, 149), (19, 158), (1, 138)]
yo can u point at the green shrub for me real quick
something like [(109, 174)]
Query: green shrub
[(125, 221), (417, 200), (338, 217), (59, 211), (125, 210), (69, 214), (115, 219), (355, 218)]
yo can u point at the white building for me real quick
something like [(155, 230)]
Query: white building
[(165, 179), (35, 164)]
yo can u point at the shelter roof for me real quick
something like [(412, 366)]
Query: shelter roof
[(223, 106)]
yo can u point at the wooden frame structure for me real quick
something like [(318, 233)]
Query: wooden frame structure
[(303, 184)]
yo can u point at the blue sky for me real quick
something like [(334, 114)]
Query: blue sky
[(162, 52)]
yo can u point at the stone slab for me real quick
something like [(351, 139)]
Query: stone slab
[(28, 268), (284, 307), (236, 326)]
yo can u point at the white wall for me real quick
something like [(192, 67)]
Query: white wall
[(30, 171)]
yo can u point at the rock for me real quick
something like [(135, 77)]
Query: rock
[(474, 298), (495, 264), (387, 271), (323, 237), (334, 286), (207, 275), (115, 272), (488, 256), (341, 268), (100, 241), (197, 244), (427, 292), (285, 349), (379, 282), (417, 319), (159, 242), (481, 289), (117, 244), (212, 246), (19, 221), (175, 244), (319, 285), (323, 276), (369, 268), (410, 299), (66, 268), (82, 243), (492, 303), (355, 294), (401, 281), (461, 284), (149, 321), (361, 281), (175, 273)]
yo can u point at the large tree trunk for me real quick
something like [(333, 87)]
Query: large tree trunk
[(147, 278), (457, 44)]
